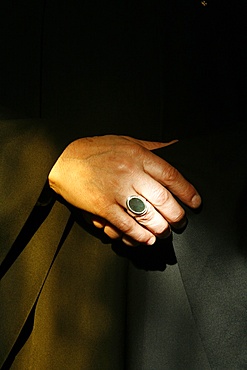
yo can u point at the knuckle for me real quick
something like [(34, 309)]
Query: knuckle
[(139, 235), (170, 175), (124, 166), (161, 227), (126, 227), (161, 197), (134, 149), (145, 218), (154, 222)]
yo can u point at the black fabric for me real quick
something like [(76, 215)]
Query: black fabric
[(211, 255), (212, 251)]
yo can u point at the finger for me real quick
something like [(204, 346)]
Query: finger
[(151, 219), (118, 217), (112, 231), (154, 222), (92, 219), (101, 223), (129, 241), (98, 222), (164, 209), (116, 234), (172, 179)]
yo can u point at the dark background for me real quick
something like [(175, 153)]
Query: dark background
[(151, 69)]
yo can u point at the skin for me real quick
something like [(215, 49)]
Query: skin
[(97, 174)]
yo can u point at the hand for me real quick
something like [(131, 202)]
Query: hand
[(97, 174)]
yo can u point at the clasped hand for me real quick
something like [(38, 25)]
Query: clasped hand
[(97, 174)]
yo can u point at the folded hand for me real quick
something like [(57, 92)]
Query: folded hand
[(97, 174)]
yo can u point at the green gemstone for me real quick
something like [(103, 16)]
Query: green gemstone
[(137, 205)]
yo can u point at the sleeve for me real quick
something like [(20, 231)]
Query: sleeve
[(28, 153), (29, 148)]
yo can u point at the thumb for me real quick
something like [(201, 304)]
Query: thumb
[(151, 145)]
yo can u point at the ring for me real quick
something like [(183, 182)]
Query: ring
[(137, 205)]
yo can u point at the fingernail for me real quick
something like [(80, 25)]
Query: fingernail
[(151, 240), (196, 201)]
